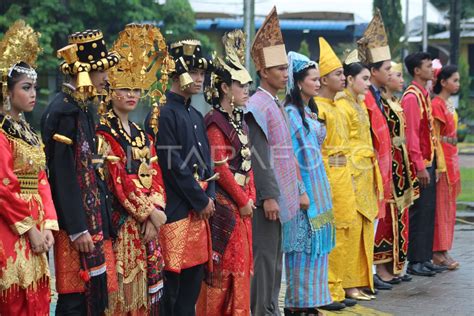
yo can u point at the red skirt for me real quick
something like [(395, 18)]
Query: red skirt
[(186, 243), (445, 216), (67, 266), (391, 238), (33, 301)]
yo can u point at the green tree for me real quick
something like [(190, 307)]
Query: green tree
[(391, 11), (465, 109), (304, 49), (55, 19), (467, 7)]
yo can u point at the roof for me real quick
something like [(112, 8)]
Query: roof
[(446, 35), (311, 25), (469, 33)]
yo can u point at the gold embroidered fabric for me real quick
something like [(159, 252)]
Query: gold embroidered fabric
[(23, 226), (184, 244), (25, 268), (27, 159)]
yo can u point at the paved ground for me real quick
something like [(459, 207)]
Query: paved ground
[(449, 293)]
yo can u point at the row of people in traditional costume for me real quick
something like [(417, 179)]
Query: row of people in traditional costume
[(192, 215)]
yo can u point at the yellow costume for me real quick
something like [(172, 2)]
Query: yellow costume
[(367, 184), (336, 150)]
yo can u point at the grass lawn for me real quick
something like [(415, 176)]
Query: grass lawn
[(467, 182)]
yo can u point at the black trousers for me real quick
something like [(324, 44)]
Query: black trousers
[(181, 291), (71, 305), (422, 219)]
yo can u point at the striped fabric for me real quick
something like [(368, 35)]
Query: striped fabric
[(310, 235), (307, 280), (307, 149), (271, 118)]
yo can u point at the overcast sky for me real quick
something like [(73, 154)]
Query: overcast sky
[(362, 9)]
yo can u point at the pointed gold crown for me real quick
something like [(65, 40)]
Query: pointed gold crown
[(373, 46), (268, 49), (328, 60)]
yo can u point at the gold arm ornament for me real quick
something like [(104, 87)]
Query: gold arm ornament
[(62, 139)]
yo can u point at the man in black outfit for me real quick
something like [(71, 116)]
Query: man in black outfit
[(184, 157)]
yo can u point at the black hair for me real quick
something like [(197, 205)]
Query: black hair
[(295, 96), (14, 77), (353, 69), (375, 66), (445, 73), (223, 76), (415, 60)]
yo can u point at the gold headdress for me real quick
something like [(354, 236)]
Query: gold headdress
[(143, 52), (231, 67), (234, 45), (352, 57), (268, 49), (397, 67), (328, 60), (20, 44), (373, 46)]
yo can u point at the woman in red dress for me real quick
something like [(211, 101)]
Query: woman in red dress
[(133, 175), (391, 238), (448, 186), (226, 290), (27, 214)]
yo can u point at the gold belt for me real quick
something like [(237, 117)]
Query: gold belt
[(241, 179), (28, 183), (398, 141), (449, 140), (338, 160)]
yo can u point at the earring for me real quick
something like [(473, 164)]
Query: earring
[(232, 101), (299, 87), (7, 105)]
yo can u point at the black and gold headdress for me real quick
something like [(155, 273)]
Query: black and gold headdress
[(86, 52)]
